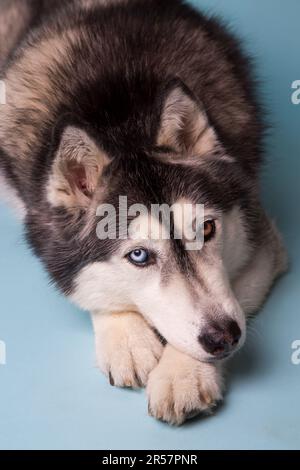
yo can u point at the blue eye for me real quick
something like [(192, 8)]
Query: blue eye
[(139, 257)]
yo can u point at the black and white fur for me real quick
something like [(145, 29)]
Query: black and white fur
[(152, 100)]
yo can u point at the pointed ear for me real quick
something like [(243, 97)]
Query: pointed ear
[(184, 126), (76, 170)]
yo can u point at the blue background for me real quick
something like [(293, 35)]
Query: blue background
[(51, 394)]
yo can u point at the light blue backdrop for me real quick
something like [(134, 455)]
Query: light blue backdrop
[(52, 396)]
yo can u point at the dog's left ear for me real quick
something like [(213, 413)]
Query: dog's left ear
[(184, 126), (76, 171)]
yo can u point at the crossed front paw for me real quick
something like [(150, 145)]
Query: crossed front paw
[(129, 352), (181, 387)]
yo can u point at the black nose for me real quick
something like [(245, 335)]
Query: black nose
[(220, 339)]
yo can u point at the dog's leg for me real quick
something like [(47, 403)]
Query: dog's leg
[(255, 281), (181, 387), (127, 348)]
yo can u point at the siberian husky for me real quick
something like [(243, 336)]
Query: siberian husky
[(151, 101)]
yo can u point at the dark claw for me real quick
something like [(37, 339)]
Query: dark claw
[(138, 380), (192, 414), (111, 380), (160, 337)]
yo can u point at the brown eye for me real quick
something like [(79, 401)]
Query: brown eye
[(209, 230)]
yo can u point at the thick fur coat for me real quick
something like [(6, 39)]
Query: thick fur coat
[(152, 100)]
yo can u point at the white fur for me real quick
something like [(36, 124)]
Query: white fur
[(181, 387), (254, 282), (236, 249), (127, 349)]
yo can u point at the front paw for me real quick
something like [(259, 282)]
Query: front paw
[(180, 387), (129, 350)]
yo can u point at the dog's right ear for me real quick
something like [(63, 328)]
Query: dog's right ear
[(76, 171), (184, 126)]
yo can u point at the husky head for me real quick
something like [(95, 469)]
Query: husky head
[(169, 155)]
